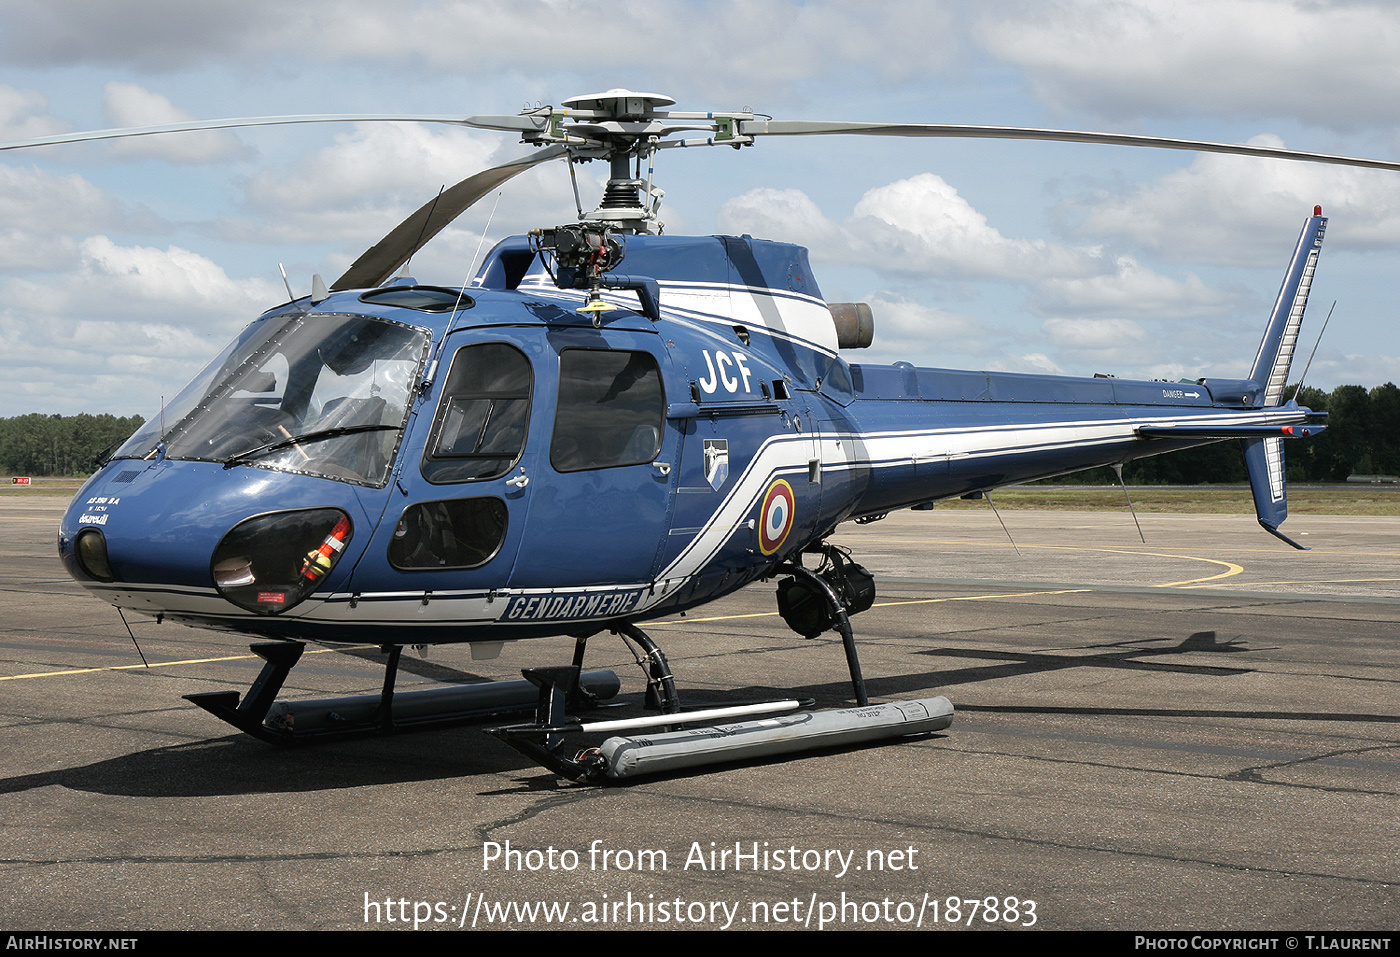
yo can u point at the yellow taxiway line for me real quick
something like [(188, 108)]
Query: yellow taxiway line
[(167, 664)]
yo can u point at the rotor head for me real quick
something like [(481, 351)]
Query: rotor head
[(625, 128)]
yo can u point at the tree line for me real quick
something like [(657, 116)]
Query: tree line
[(38, 444), (1362, 437)]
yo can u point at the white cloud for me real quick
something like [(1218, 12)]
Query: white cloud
[(53, 203), (1082, 342), (129, 105), (367, 180), (787, 213), (734, 45), (1093, 333), (922, 224), (125, 326), (372, 162), (1237, 210), (71, 366), (1033, 362), (152, 34), (917, 226), (923, 334), (113, 283), (921, 228), (24, 115), (43, 214), (1132, 288), (170, 282), (1352, 369), (1327, 63)]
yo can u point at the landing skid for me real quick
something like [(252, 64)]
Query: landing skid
[(552, 693), (621, 756), (262, 716), (788, 728)]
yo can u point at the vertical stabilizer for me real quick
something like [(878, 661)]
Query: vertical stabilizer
[(1264, 456), (1264, 459), (1281, 335)]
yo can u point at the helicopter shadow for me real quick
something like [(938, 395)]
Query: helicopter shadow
[(239, 765), (1127, 655), (1130, 656)]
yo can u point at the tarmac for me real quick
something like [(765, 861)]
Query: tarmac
[(1199, 733)]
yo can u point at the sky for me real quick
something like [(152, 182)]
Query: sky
[(125, 266)]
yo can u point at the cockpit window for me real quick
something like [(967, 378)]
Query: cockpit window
[(611, 410), (325, 395), (483, 417)]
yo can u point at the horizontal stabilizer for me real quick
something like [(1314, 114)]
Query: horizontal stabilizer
[(1229, 431)]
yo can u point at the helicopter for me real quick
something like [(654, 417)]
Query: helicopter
[(605, 426)]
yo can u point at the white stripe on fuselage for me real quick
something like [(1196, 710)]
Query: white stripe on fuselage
[(786, 455), (844, 451), (780, 455), (798, 318)]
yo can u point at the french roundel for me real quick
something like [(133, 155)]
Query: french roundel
[(779, 506)]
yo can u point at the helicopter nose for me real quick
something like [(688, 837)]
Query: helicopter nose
[(266, 564)]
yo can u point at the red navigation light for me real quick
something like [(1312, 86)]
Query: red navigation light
[(1317, 210)]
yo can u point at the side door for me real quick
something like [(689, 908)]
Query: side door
[(600, 489), (460, 498)]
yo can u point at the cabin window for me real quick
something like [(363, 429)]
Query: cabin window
[(611, 410), (483, 417), (462, 533)]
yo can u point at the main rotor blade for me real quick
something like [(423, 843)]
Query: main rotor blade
[(813, 127), (380, 260), (486, 122)]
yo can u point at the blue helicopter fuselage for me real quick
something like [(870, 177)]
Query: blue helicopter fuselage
[(413, 464)]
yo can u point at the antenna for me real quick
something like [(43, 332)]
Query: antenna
[(1314, 351), (133, 637), (1118, 471), (461, 294), (988, 496), (283, 269), (480, 242)]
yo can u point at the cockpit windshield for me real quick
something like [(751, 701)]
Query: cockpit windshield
[(326, 395)]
